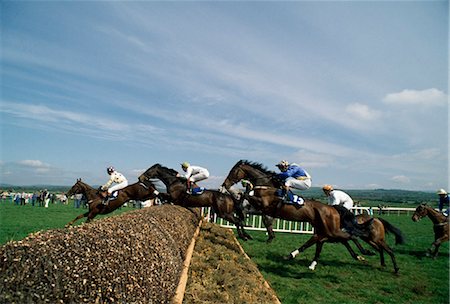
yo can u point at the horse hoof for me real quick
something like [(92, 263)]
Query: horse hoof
[(288, 257), (313, 265), (360, 258)]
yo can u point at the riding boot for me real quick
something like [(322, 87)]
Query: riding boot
[(106, 200), (188, 187)]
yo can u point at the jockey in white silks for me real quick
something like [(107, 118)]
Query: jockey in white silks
[(115, 177), (337, 197), (193, 174), (343, 203)]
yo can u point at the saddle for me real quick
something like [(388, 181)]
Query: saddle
[(198, 190), (290, 198)]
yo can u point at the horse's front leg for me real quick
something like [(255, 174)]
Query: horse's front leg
[(352, 252), (313, 240), (76, 219), (433, 251), (361, 248), (268, 221), (319, 246)]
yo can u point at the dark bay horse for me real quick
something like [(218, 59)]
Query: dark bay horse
[(138, 191), (325, 219), (327, 225), (440, 226), (258, 176), (223, 204)]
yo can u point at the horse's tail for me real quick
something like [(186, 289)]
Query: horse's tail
[(399, 238)]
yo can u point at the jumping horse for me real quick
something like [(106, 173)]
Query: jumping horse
[(325, 220), (440, 226), (259, 177), (223, 204), (138, 191)]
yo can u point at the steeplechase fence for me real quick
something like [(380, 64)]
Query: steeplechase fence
[(254, 222)]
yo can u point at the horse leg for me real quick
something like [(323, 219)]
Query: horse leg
[(313, 240), (267, 221), (352, 252), (433, 251), (319, 246), (361, 248), (385, 247), (239, 226), (76, 219)]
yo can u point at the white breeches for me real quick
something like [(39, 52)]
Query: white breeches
[(118, 187), (300, 184), (199, 176)]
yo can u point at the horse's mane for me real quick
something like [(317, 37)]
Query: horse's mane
[(168, 170), (255, 165)]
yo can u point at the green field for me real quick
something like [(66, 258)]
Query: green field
[(16, 222), (337, 278), (340, 279)]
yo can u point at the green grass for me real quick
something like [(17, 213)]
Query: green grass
[(16, 222), (340, 279), (337, 278)]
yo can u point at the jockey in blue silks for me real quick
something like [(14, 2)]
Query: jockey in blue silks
[(293, 176)]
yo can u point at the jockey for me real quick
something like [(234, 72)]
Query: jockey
[(115, 177), (293, 176), (342, 202), (193, 174), (443, 201), (337, 197)]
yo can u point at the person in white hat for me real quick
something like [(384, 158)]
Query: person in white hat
[(115, 177), (193, 174), (443, 201), (337, 197)]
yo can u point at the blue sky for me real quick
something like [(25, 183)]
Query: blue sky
[(356, 92)]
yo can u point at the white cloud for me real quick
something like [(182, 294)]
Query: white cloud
[(400, 179), (33, 163), (414, 97), (362, 111)]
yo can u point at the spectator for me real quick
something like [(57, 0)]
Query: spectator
[(443, 201), (77, 200)]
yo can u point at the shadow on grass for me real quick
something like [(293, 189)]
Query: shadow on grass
[(421, 254)]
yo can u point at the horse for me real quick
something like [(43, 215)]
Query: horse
[(440, 226), (223, 204), (324, 218), (137, 191), (258, 176)]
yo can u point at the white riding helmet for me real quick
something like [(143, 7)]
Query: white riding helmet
[(442, 191), (283, 163)]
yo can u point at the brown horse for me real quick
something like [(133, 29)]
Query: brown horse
[(261, 177), (440, 226), (137, 191), (222, 204), (258, 176)]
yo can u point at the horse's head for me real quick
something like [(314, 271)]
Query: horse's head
[(255, 172), (79, 187), (235, 175), (421, 211), (158, 171)]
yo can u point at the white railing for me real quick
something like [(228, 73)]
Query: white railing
[(254, 222)]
